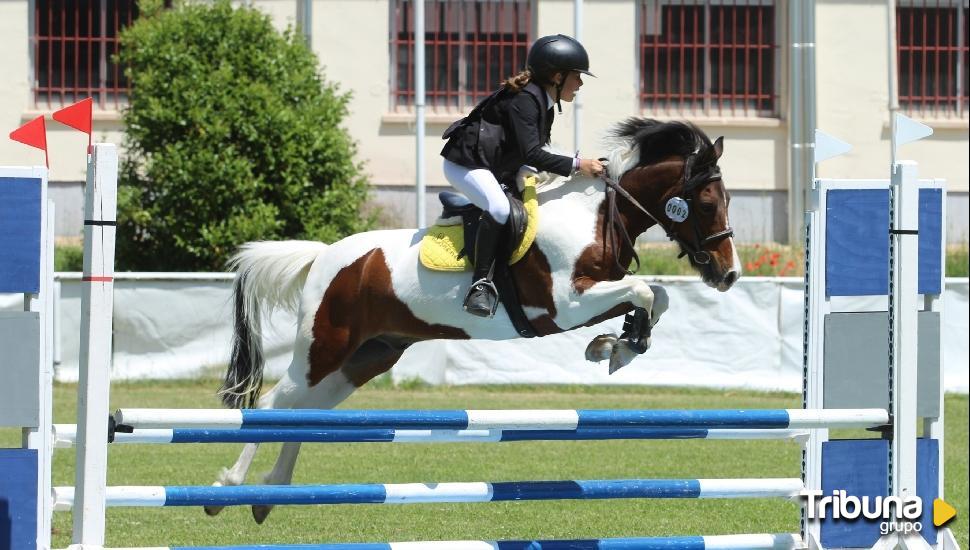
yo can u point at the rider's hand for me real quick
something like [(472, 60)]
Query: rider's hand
[(591, 167)]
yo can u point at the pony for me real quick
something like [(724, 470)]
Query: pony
[(362, 300)]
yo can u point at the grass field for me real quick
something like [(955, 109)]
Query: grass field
[(395, 463)]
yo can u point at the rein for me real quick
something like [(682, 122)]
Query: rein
[(614, 226)]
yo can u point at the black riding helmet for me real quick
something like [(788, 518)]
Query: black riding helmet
[(557, 53)]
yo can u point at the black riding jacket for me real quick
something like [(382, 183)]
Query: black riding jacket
[(508, 137)]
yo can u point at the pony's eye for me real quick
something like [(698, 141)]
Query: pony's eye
[(708, 208)]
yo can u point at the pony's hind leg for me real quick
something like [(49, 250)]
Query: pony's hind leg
[(329, 393), (372, 358), (284, 395), (235, 475)]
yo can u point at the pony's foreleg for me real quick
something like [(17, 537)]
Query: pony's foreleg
[(605, 295)]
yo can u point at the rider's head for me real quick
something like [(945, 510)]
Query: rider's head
[(553, 59)]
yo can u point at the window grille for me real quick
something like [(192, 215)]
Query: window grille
[(931, 56), (470, 47), (74, 43), (708, 57)]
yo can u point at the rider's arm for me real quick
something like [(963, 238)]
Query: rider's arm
[(524, 120)]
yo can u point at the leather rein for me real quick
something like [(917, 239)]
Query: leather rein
[(613, 225)]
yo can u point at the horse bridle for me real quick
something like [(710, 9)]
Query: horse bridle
[(690, 182)]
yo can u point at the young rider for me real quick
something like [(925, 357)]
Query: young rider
[(503, 133)]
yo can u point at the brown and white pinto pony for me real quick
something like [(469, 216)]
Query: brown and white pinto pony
[(362, 300)]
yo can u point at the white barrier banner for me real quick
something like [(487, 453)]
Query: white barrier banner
[(179, 326)]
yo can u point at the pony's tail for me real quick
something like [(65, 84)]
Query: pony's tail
[(269, 275)]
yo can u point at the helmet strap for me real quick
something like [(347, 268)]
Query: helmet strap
[(559, 95)]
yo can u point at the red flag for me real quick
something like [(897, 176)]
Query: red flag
[(77, 116), (34, 133)]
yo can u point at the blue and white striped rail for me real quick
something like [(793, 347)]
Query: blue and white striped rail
[(65, 435), (719, 542), (420, 493), (503, 419)]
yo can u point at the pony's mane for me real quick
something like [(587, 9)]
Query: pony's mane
[(642, 141), (639, 142)]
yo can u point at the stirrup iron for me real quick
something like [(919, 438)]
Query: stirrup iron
[(487, 287)]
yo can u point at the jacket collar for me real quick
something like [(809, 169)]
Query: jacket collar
[(550, 101)]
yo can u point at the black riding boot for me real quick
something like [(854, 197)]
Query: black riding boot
[(482, 297)]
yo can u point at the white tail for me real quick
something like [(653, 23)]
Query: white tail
[(269, 275)]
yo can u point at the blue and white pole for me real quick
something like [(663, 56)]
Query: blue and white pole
[(782, 541), (65, 435), (421, 493), (503, 419)]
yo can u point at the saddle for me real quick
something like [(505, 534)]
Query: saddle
[(449, 245)]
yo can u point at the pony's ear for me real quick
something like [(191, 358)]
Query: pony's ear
[(718, 147)]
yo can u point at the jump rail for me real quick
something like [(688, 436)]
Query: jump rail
[(502, 419), (421, 493), (65, 435), (783, 541)]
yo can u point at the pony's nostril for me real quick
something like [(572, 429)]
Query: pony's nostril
[(730, 278)]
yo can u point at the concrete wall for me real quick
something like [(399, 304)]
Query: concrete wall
[(67, 147), (853, 100), (351, 39)]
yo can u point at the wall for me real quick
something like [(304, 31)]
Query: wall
[(350, 38)]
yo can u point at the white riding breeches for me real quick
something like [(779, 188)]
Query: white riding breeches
[(481, 187)]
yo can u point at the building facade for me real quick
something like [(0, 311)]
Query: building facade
[(729, 66)]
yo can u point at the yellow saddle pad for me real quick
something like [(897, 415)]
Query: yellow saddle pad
[(441, 245)]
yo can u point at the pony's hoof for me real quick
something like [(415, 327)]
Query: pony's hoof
[(601, 347), (260, 513), (623, 354), (212, 510)]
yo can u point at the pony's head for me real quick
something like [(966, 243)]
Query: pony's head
[(671, 168)]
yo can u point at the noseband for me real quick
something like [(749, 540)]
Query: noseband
[(689, 184)]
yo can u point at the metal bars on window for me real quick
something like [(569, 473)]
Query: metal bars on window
[(931, 54), (708, 57), (470, 47), (74, 44)]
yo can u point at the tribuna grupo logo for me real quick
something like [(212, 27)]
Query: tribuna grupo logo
[(898, 514)]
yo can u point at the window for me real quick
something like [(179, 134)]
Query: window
[(74, 42), (708, 57), (931, 55), (470, 47)]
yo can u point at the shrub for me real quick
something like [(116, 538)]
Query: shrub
[(232, 135), (68, 256)]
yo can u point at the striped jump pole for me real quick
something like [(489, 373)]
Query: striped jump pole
[(783, 541), (65, 435), (421, 493), (503, 419)]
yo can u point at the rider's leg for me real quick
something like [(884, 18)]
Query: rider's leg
[(482, 297), (481, 187)]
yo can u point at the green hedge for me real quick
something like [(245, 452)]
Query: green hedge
[(233, 135)]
